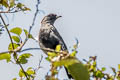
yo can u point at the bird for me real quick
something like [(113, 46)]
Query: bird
[(49, 36)]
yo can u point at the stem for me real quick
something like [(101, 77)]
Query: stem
[(7, 30)]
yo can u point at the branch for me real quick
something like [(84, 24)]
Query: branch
[(15, 54)]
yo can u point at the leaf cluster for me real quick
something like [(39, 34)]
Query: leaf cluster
[(99, 73), (12, 6), (16, 46)]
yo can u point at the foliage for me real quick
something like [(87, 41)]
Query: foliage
[(5, 56), (57, 57), (12, 6), (99, 73), (74, 66)]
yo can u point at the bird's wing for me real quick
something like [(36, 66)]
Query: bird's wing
[(57, 35)]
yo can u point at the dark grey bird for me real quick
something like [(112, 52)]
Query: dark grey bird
[(49, 37)]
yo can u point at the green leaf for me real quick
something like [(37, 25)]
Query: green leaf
[(16, 30), (103, 68), (5, 56), (10, 47), (75, 68), (15, 38), (114, 70), (12, 3), (75, 46), (78, 71), (4, 3), (26, 32), (21, 74), (20, 5), (51, 54), (58, 48), (119, 66), (73, 53), (94, 63), (30, 71), (99, 74), (92, 67), (65, 62), (14, 79), (26, 9), (28, 35), (48, 58), (23, 58)]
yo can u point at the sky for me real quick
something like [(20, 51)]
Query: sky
[(95, 23)]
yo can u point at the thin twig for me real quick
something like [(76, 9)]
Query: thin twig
[(30, 49), (39, 64), (35, 15), (6, 52), (40, 61), (20, 51), (45, 49), (11, 10)]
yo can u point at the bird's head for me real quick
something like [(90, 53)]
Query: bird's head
[(50, 18)]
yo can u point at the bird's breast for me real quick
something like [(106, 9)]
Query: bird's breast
[(49, 41)]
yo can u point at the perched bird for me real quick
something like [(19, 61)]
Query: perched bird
[(49, 37)]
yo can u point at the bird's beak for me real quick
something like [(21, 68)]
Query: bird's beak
[(58, 17)]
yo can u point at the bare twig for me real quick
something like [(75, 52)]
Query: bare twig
[(45, 49), (6, 52), (10, 11), (18, 50), (40, 61), (39, 64), (29, 49), (35, 15)]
